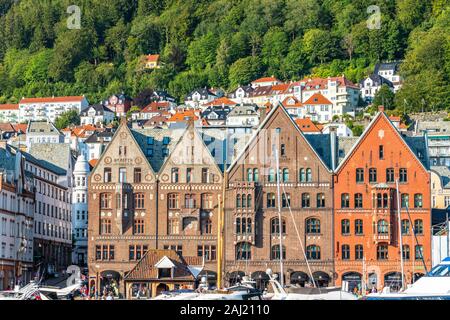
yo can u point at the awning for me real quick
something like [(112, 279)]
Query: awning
[(260, 275), (110, 274), (393, 276), (320, 275), (299, 276), (352, 276)]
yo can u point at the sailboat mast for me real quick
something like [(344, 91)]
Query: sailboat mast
[(400, 234), (280, 231)]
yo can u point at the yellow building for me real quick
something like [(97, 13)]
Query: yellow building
[(440, 187)]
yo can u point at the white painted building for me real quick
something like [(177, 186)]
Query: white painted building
[(199, 97), (243, 115), (341, 129), (96, 115), (16, 219), (80, 211), (390, 72), (371, 85), (49, 108), (42, 132), (9, 113), (318, 108)]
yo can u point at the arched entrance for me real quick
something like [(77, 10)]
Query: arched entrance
[(354, 280), (321, 278), (299, 278), (161, 288), (393, 280), (417, 276), (261, 278), (211, 277), (109, 283), (235, 277), (373, 281)]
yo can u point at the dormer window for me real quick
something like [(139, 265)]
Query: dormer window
[(164, 273)]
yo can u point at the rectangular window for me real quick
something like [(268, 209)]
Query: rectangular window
[(403, 175), (381, 152), (122, 175), (138, 226), (105, 226), (390, 175), (107, 175), (359, 175), (205, 175), (137, 175), (188, 175)]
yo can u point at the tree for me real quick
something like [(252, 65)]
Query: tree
[(320, 45), (384, 96), (244, 71), (274, 48), (202, 52), (296, 63), (66, 119), (143, 98), (301, 16)]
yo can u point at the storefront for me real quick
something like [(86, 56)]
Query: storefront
[(109, 283), (354, 281), (321, 278), (235, 277), (261, 278), (393, 280), (211, 277), (299, 278)]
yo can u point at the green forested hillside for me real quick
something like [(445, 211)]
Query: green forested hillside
[(219, 43)]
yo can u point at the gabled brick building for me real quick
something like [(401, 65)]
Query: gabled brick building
[(366, 225), (251, 216)]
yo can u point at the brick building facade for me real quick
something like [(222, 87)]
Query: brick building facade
[(251, 216), (366, 225)]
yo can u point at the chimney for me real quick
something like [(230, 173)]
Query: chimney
[(333, 142), (380, 108)]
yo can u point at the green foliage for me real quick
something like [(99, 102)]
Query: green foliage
[(384, 97), (66, 119), (219, 43)]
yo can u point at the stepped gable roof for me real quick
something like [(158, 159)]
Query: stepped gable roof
[(146, 268)]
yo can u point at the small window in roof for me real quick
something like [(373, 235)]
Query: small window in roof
[(149, 152), (150, 140), (166, 140)]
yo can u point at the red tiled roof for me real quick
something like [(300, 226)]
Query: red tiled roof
[(156, 106), (306, 125), (9, 106), (21, 127), (93, 162), (181, 116), (281, 87), (265, 79), (223, 101), (317, 98), (52, 99), (6, 127), (152, 57), (288, 104)]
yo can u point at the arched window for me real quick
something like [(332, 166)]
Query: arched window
[(308, 175), (271, 200), (345, 200), (312, 226), (285, 175), (243, 251), (418, 226), (302, 175), (345, 227), (248, 225), (249, 175), (139, 201), (405, 227), (175, 175), (249, 201), (238, 201), (382, 227), (271, 175), (105, 201), (418, 201), (306, 201), (238, 226), (418, 252), (345, 252), (313, 252), (275, 227), (275, 252), (244, 201), (320, 200), (255, 175)]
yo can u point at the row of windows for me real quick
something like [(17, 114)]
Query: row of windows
[(190, 201), (243, 252), (286, 200), (52, 211), (305, 175), (382, 227), (390, 175), (381, 200)]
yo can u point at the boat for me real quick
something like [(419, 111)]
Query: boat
[(245, 290), (35, 291), (301, 293), (435, 285)]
